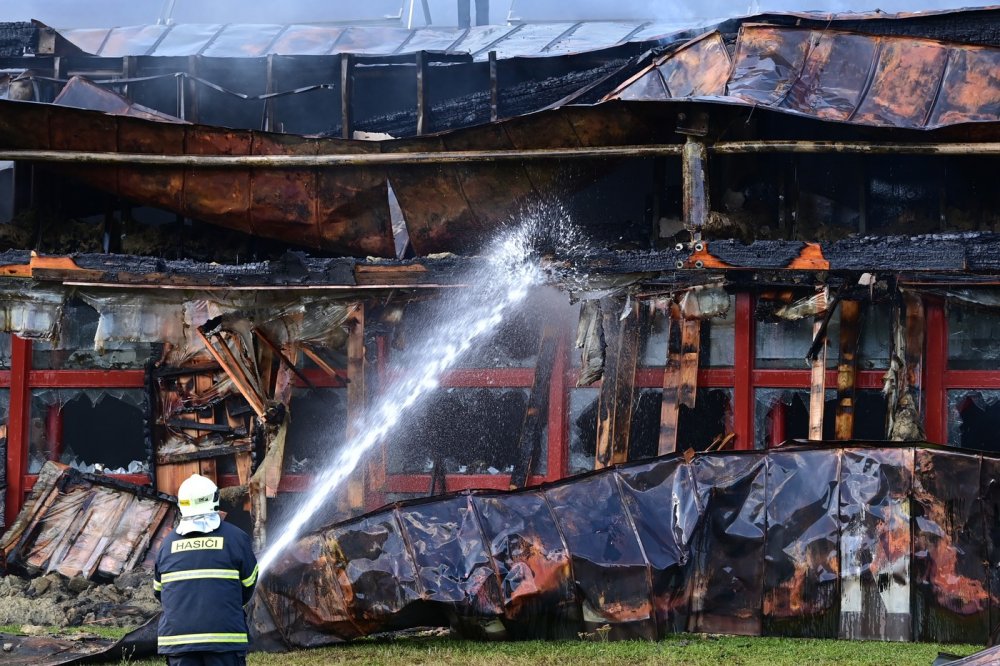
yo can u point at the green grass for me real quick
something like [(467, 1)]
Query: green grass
[(693, 650), (104, 632)]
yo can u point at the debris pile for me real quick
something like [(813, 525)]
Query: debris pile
[(55, 601)]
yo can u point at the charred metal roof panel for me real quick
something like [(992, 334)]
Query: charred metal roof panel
[(182, 40), (434, 39), (134, 40), (531, 39), (307, 40), (877, 80), (242, 41), (374, 40), (251, 40), (89, 40)]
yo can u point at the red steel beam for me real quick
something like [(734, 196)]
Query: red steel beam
[(17, 427), (936, 361), (743, 399)]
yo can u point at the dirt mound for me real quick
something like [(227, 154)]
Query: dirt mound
[(53, 600)]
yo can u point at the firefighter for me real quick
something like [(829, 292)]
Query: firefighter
[(205, 573)]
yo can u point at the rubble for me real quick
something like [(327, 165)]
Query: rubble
[(53, 600)]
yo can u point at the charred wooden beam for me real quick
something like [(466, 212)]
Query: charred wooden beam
[(356, 396), (669, 409), (847, 366), (206, 466), (357, 159), (696, 193), (687, 387), (280, 356), (494, 89), (530, 441), (680, 377), (225, 358), (422, 106), (174, 459), (617, 396), (220, 428), (817, 384), (346, 90)]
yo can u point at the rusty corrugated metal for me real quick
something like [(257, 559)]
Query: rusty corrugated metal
[(81, 525), (831, 540), (877, 80), (344, 210)]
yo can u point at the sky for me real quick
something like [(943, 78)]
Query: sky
[(104, 13)]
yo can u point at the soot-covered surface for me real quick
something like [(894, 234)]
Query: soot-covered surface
[(848, 540)]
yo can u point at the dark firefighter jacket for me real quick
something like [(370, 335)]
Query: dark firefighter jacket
[(203, 580)]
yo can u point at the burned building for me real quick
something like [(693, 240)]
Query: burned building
[(223, 237)]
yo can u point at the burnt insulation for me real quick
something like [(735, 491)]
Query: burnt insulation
[(18, 38)]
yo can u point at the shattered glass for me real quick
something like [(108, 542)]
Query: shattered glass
[(782, 414), (87, 427), (784, 344), (76, 348), (974, 418), (718, 335), (467, 430), (316, 430), (697, 428), (973, 338)]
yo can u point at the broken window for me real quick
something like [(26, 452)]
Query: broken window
[(783, 414), (5, 350), (718, 335), (463, 431), (973, 338), (76, 350), (697, 428), (974, 418), (84, 428), (317, 429), (784, 343)]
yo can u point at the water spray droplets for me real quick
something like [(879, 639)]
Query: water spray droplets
[(462, 318)]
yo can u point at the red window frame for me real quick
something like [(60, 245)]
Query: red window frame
[(938, 379), (21, 379)]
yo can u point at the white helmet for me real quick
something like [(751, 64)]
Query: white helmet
[(197, 496)]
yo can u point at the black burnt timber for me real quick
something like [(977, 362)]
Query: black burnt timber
[(208, 427), (530, 440), (964, 252), (205, 453)]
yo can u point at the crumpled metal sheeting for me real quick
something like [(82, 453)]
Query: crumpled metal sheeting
[(80, 525), (51, 651), (802, 565), (949, 573), (879, 80), (809, 541)]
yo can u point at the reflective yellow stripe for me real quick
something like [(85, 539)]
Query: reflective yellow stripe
[(252, 578), (189, 639), (191, 574), (157, 586)]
